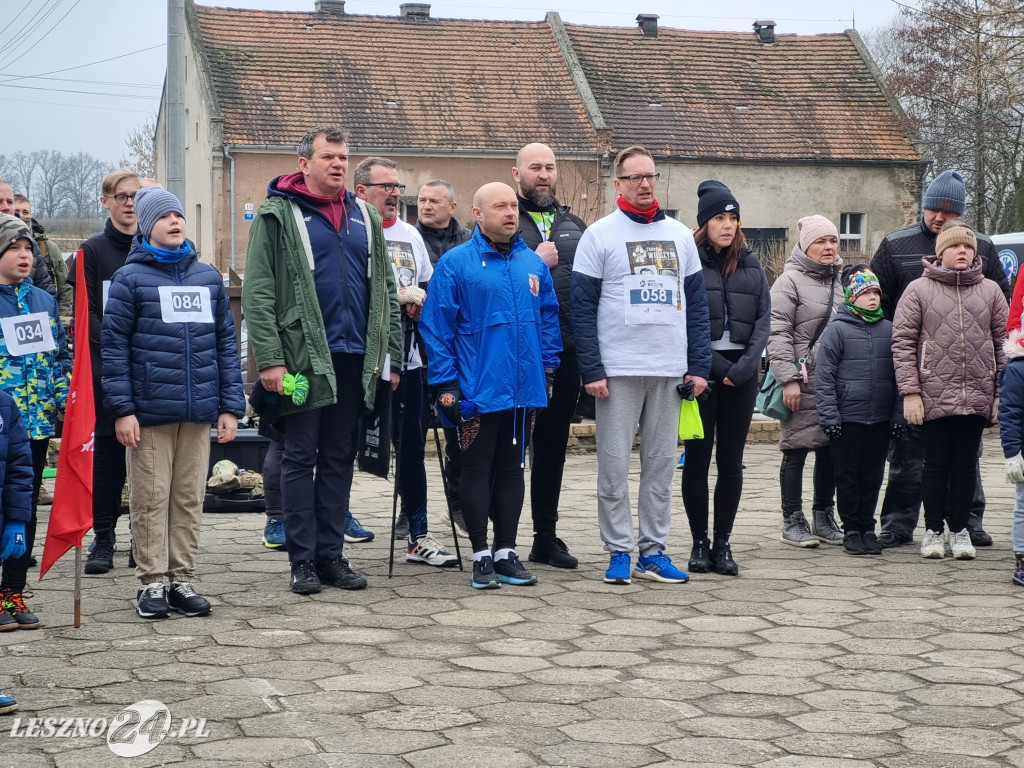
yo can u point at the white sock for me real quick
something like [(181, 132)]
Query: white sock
[(478, 556), (504, 554)]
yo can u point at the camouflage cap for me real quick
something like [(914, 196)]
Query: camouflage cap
[(12, 228)]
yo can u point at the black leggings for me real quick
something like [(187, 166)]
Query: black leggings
[(791, 478), (726, 413), (492, 484), (949, 477)]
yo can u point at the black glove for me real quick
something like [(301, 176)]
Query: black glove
[(898, 429), (549, 381), (449, 400), (685, 390), (834, 431)]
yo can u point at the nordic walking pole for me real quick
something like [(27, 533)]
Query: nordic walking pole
[(398, 450), (444, 483)]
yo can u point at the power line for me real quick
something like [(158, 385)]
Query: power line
[(76, 80), (79, 92), (77, 106), (83, 66), (16, 36), (43, 36), (44, 13), (13, 21)]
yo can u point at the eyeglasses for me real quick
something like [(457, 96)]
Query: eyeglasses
[(637, 178), (388, 186), (122, 198)]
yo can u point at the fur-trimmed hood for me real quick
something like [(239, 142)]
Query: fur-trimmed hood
[(1014, 344)]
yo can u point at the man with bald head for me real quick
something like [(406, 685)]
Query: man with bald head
[(490, 324), (551, 230)]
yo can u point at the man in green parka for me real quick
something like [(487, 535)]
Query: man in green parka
[(319, 299)]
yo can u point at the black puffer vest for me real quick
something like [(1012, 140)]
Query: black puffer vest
[(740, 292)]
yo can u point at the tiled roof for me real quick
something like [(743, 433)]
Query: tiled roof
[(726, 95), (392, 82)]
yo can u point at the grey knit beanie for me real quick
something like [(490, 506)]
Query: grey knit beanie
[(946, 193), (152, 204)]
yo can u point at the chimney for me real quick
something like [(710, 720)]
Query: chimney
[(765, 31), (648, 23), (414, 10), (330, 6)]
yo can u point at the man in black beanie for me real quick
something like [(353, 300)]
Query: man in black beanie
[(897, 262)]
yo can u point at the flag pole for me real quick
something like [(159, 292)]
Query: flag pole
[(78, 587)]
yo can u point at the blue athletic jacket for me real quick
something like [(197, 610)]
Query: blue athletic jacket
[(168, 372), (15, 465), (491, 323)]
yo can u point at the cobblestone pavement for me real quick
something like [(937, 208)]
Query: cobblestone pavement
[(809, 659)]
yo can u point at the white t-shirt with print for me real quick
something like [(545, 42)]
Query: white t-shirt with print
[(411, 265), (641, 316)]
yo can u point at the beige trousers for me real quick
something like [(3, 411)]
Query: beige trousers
[(167, 474)]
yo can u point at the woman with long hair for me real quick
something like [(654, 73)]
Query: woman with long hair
[(740, 310)]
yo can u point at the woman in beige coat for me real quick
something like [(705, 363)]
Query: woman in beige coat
[(947, 346), (804, 300)]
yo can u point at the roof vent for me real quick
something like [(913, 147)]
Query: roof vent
[(648, 23), (765, 31), (330, 6), (415, 10)]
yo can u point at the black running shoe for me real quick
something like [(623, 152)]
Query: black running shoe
[(338, 573), (152, 601), (484, 576), (184, 599), (304, 578), (511, 571)]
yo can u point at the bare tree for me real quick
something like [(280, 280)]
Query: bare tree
[(49, 197), (83, 177), (141, 144), (24, 167)]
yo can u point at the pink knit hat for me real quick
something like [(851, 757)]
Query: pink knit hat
[(813, 227)]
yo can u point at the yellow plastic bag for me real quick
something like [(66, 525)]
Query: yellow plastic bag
[(690, 425)]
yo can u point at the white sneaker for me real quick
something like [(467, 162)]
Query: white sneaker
[(960, 545), (933, 545), (460, 523), (429, 551)]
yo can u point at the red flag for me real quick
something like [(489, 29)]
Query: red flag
[(71, 513)]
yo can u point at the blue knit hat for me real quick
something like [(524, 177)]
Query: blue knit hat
[(152, 204), (946, 193)]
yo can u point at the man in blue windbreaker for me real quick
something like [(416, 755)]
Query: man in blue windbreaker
[(490, 323)]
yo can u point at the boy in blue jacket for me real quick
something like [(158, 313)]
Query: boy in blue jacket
[(1011, 435), (490, 324), (15, 500), (170, 370)]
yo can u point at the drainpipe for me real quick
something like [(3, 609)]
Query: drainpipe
[(227, 154)]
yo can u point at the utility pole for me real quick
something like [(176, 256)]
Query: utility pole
[(175, 101)]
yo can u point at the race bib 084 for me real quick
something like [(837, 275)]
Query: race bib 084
[(28, 334), (185, 304)]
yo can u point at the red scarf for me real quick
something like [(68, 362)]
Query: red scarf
[(389, 222), (647, 213)]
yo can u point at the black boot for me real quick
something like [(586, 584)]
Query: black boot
[(721, 558), (549, 549), (700, 561), (1018, 575), (101, 554)]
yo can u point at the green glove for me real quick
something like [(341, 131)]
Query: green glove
[(296, 387)]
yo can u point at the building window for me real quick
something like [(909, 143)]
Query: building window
[(769, 243), (851, 232), (672, 213)]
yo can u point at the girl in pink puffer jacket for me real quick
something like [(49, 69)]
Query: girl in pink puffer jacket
[(947, 344)]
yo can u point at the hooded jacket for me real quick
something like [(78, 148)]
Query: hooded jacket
[(16, 475), (897, 262), (55, 267), (799, 299), (162, 370), (1011, 396), (947, 340), (39, 381), (854, 378), (490, 322), (282, 313)]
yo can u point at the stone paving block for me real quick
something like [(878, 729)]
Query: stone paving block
[(941, 760), (555, 694), (419, 718), (879, 663), (839, 745), (760, 728), (368, 683), (776, 686), (970, 658), (475, 679), (495, 663), (817, 619), (523, 647), (752, 704), (332, 702), (869, 680), (336, 760), (465, 618), (620, 732), (700, 750), (583, 755), (376, 741), (855, 701), (637, 708), (610, 659), (841, 721), (479, 757), (165, 754), (800, 761), (526, 739), (263, 749), (970, 675), (782, 667), (448, 696), (627, 643), (529, 714), (962, 741), (794, 651), (975, 695)]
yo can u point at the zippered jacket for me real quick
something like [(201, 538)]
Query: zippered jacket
[(947, 340), (490, 322), (158, 366)]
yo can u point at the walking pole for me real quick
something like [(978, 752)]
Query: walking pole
[(398, 453), (444, 482)]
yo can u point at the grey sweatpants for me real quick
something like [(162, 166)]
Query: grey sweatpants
[(654, 403)]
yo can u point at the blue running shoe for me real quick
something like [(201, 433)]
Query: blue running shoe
[(618, 569), (682, 460), (484, 576), (659, 568), (354, 532), (7, 704), (273, 533)]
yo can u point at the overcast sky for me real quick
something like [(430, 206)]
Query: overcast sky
[(77, 75)]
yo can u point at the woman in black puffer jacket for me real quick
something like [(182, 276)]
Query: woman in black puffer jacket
[(740, 309)]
